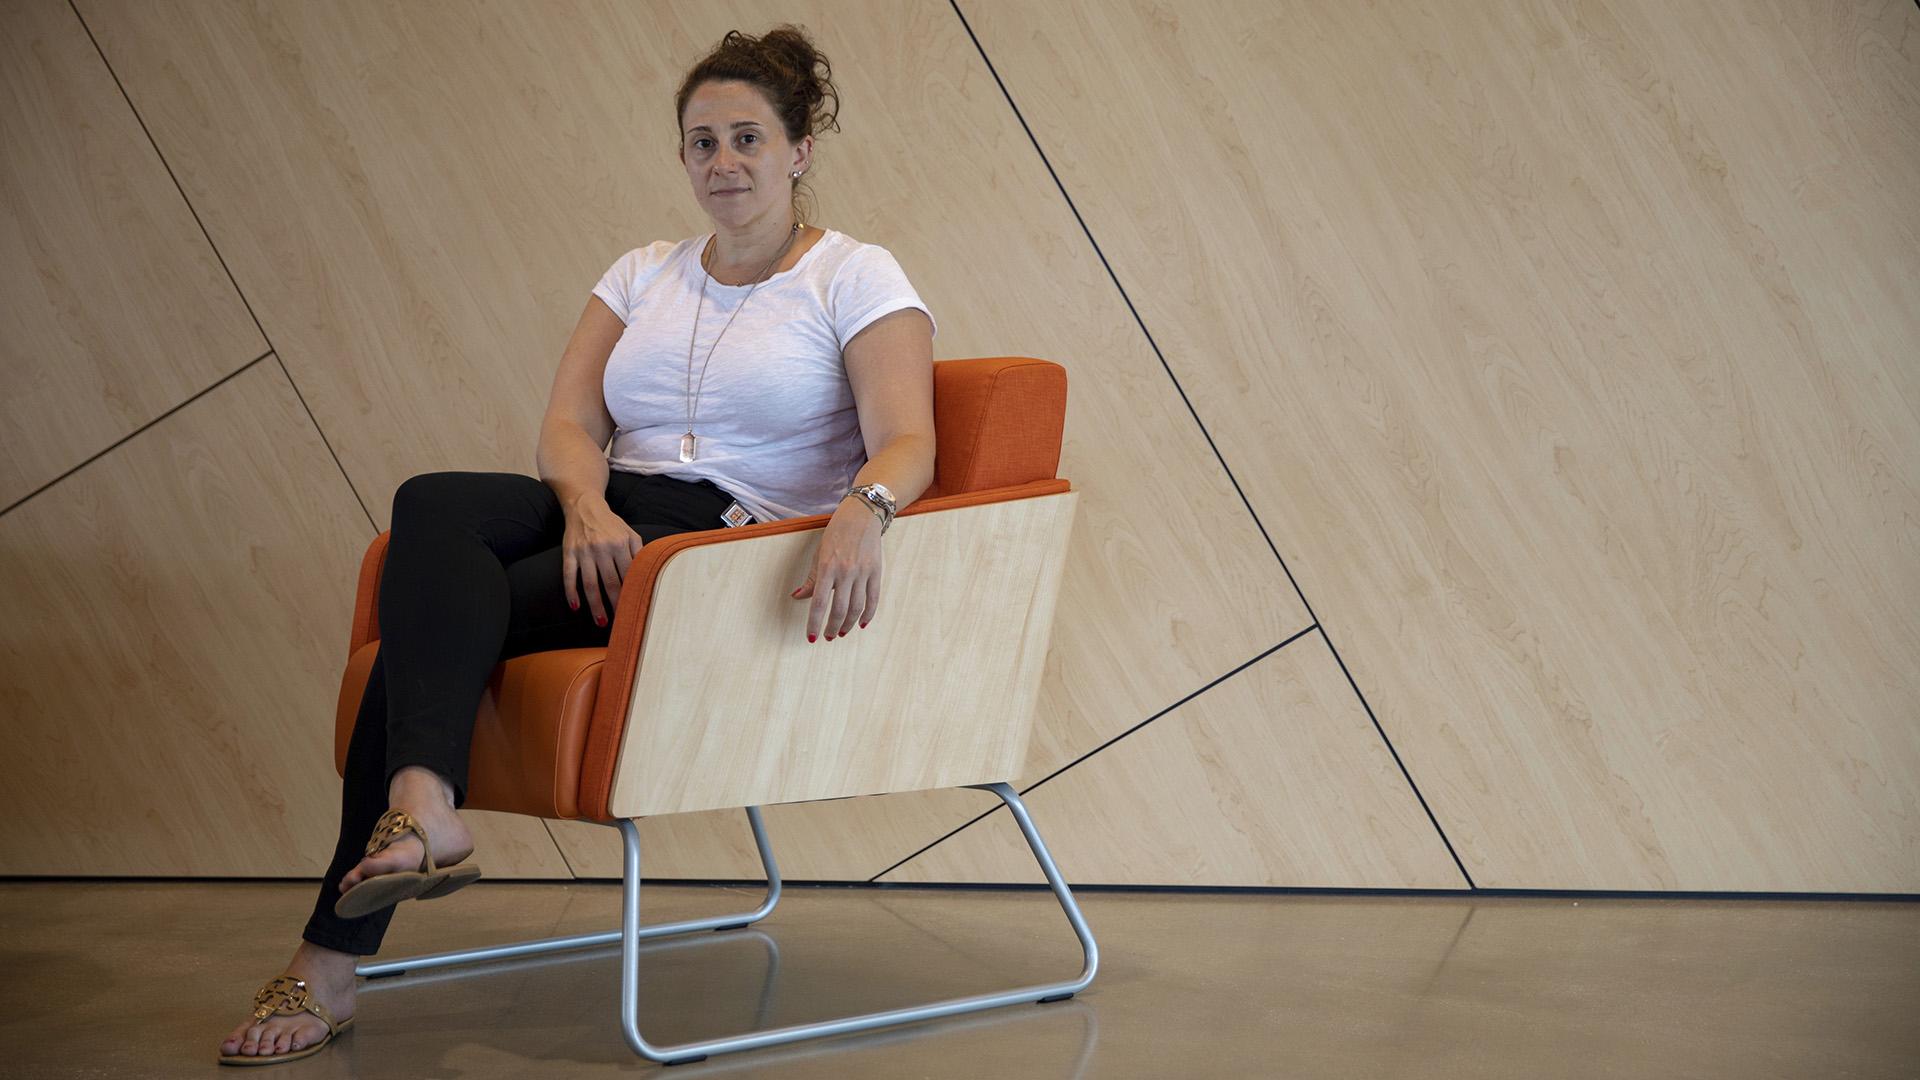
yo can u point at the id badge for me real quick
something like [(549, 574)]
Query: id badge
[(735, 516)]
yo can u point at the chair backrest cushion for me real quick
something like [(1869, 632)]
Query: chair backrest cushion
[(997, 422)]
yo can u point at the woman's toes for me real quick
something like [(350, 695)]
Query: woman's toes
[(267, 1032), (282, 1040), (403, 854)]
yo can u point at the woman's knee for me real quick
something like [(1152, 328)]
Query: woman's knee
[(441, 496), (424, 491)]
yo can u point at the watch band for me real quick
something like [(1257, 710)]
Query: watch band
[(878, 499)]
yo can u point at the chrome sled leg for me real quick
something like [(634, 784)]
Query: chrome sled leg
[(583, 941), (632, 932)]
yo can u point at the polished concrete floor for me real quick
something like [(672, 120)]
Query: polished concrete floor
[(142, 980)]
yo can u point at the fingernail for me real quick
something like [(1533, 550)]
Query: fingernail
[(574, 604), (809, 639), (600, 620), (863, 626)]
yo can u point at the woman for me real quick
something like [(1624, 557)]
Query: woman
[(771, 369)]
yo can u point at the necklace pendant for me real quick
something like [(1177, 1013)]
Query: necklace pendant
[(686, 446)]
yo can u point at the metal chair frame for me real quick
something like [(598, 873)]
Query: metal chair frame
[(631, 933)]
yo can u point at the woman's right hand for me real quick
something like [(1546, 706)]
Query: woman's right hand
[(597, 549)]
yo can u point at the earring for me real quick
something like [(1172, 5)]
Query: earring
[(794, 175)]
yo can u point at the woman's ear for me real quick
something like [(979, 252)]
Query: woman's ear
[(803, 154)]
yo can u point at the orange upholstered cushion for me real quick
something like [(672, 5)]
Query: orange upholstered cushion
[(997, 421)]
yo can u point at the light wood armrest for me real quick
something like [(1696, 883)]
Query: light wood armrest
[(711, 696)]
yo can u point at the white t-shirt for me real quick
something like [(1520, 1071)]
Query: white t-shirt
[(775, 418)]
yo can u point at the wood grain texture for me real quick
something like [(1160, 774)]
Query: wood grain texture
[(1567, 352), (1273, 777), (417, 199), (176, 614), (732, 707), (115, 308)]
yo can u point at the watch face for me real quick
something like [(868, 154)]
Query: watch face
[(884, 493)]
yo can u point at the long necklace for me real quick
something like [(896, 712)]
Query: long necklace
[(688, 443)]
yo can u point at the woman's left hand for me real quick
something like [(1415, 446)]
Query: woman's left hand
[(846, 569)]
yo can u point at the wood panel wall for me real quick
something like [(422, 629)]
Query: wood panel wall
[(1496, 426)]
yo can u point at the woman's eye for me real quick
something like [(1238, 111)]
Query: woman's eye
[(749, 137)]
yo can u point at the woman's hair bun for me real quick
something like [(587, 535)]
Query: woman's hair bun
[(785, 66)]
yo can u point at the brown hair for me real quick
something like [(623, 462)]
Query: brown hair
[(785, 67)]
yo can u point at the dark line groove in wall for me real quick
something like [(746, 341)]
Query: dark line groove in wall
[(275, 353), (998, 806), (564, 861), (1148, 334), (1396, 756), (129, 436)]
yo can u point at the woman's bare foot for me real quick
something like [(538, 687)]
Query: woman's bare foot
[(329, 978), (422, 793)]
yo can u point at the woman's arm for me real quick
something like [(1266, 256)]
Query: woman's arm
[(572, 455), (598, 546), (890, 368)]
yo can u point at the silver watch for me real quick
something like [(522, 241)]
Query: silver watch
[(878, 497)]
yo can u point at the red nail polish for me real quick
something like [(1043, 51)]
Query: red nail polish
[(574, 604), (809, 639), (600, 620)]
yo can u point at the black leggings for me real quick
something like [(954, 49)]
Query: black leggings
[(473, 577)]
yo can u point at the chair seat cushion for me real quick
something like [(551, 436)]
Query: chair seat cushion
[(529, 736)]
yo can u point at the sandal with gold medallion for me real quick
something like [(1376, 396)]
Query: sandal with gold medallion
[(430, 882), (287, 996)]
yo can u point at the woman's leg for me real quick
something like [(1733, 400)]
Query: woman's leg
[(538, 619), (363, 798), (445, 604)]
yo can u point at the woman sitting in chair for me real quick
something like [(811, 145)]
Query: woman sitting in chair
[(768, 370)]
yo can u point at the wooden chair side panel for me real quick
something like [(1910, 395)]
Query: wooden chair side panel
[(732, 707)]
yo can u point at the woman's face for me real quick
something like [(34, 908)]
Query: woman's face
[(737, 155)]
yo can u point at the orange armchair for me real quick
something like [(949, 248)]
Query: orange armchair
[(706, 695)]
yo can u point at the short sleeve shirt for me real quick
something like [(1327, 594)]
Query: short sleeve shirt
[(774, 417)]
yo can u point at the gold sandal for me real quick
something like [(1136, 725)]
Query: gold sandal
[(427, 883), (287, 996)]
